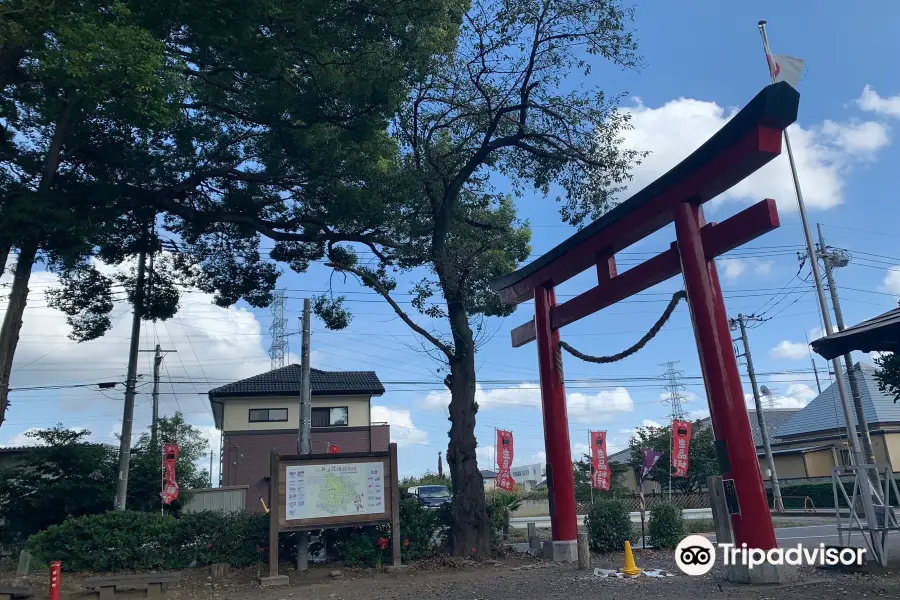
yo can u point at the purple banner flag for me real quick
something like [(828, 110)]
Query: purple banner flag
[(650, 459)]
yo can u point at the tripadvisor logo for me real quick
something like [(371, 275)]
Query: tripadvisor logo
[(696, 555)]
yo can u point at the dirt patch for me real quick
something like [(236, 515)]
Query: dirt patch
[(514, 577)]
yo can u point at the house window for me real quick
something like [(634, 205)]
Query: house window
[(336, 416), (268, 415)]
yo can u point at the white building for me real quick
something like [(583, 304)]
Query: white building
[(529, 476)]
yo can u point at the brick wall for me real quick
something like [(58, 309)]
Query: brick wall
[(246, 454)]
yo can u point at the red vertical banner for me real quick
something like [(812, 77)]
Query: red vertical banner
[(55, 568), (334, 449), (600, 476), (504, 460), (681, 442), (170, 486)]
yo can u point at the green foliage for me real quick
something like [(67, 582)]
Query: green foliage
[(888, 374), (420, 528), (666, 526), (608, 525), (64, 477), (582, 471), (501, 504), (128, 540), (703, 462), (360, 549), (146, 457), (69, 477), (428, 478)]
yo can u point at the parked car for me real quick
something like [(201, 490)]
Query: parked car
[(431, 496)]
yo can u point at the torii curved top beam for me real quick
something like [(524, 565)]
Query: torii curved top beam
[(747, 142)]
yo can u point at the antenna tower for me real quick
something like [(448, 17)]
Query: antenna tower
[(675, 389), (277, 330)]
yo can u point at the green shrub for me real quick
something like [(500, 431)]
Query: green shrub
[(117, 541), (113, 541), (501, 504), (420, 528), (608, 525), (361, 548), (666, 527)]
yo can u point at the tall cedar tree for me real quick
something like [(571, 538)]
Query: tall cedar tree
[(223, 118), (501, 105)]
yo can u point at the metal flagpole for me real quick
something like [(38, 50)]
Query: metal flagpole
[(855, 450), (590, 445)]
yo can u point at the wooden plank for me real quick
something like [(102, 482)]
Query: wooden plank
[(131, 579), (274, 503), (395, 507), (718, 238)]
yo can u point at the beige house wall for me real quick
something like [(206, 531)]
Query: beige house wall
[(819, 463), (789, 466), (237, 411), (892, 445)]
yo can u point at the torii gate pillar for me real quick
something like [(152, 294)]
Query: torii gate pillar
[(748, 141)]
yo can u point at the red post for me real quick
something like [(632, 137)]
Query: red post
[(556, 422), (55, 568), (723, 384)]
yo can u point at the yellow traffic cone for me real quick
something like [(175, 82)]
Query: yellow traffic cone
[(630, 568)]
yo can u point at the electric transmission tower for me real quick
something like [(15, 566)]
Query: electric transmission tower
[(675, 389), (277, 331)]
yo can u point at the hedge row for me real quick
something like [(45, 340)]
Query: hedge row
[(138, 541), (821, 495)]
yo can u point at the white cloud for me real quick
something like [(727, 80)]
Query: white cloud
[(789, 350), (824, 153), (863, 139), (815, 333), (403, 430), (214, 346), (581, 407), (870, 101), (891, 281), (22, 439), (776, 401), (763, 267), (732, 268)]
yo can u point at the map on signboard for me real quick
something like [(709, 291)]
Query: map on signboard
[(321, 491)]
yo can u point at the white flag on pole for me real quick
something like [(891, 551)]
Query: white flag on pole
[(786, 68)]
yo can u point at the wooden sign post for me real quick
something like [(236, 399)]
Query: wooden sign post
[(329, 491)]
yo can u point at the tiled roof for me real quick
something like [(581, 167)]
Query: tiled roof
[(286, 382), (775, 418), (824, 413), (877, 334)]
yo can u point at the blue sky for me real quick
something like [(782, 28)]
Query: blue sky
[(703, 61)]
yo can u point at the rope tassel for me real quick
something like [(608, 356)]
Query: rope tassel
[(676, 298)]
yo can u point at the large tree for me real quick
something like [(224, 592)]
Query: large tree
[(888, 374), (507, 106), (211, 119)]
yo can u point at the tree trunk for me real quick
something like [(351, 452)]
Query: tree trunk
[(12, 320), (4, 256), (470, 532)]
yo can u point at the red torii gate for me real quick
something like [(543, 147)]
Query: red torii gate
[(747, 142)]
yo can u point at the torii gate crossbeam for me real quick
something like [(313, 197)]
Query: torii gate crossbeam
[(748, 141)]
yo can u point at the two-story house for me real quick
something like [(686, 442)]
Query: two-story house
[(262, 413)]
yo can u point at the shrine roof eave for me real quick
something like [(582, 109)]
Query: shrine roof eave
[(773, 108)]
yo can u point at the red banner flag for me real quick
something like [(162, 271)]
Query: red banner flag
[(170, 486), (600, 475), (681, 442), (504, 460), (334, 449)]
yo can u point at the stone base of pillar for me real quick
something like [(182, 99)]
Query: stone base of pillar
[(561, 551), (274, 580), (764, 574)]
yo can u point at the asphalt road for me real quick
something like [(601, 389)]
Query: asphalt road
[(813, 535)]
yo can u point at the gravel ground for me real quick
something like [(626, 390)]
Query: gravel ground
[(513, 578)]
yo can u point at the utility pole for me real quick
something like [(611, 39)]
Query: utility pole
[(674, 388), (130, 385), (303, 441), (157, 362), (832, 259), (760, 417)]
